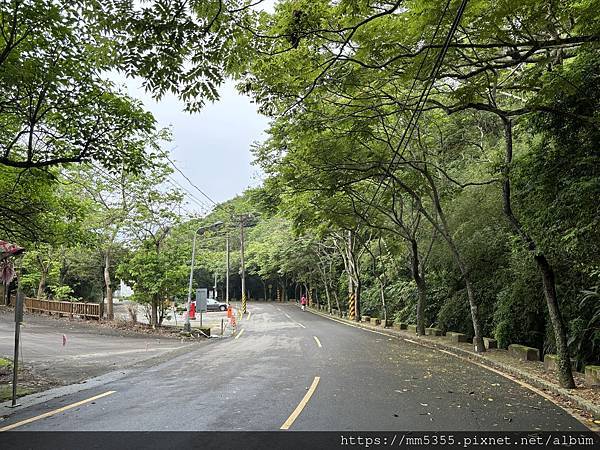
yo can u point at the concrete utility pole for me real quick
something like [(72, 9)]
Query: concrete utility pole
[(187, 327), (227, 270), (243, 274)]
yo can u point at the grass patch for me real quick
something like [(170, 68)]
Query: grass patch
[(6, 392), (5, 363)]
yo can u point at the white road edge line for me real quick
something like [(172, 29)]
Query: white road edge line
[(311, 390), (298, 323), (55, 411), (318, 342)]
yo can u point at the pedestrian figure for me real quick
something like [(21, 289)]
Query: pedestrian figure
[(303, 303)]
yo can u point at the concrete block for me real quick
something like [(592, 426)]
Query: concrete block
[(592, 376), (365, 318), (411, 328), (457, 337), (488, 343), (375, 320), (551, 362), (399, 326), (335, 312), (432, 332), (523, 352), (387, 323)]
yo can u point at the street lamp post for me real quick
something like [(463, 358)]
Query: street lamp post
[(187, 325)]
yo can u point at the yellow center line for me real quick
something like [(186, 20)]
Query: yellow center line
[(249, 314), (239, 334), (311, 390), (56, 411), (318, 342)]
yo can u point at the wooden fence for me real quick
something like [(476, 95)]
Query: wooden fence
[(85, 310)]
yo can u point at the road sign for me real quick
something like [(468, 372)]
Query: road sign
[(201, 296)]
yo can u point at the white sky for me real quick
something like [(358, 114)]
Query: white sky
[(211, 147)]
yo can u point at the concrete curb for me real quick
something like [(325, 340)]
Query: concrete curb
[(579, 402)]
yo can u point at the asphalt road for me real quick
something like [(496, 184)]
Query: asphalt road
[(366, 381)]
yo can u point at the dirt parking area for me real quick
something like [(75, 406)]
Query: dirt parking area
[(63, 351)]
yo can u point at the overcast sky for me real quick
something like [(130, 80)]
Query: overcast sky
[(211, 147)]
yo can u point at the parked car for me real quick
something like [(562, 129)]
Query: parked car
[(214, 305)]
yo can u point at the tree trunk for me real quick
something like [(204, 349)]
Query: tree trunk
[(41, 285), (161, 315), (154, 313), (357, 289), (421, 287), (445, 231), (337, 302), (107, 282), (383, 305), (326, 284), (565, 374)]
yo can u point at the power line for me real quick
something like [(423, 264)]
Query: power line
[(190, 181), (204, 207), (412, 123)]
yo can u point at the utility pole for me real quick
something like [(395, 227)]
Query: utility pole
[(227, 270), (244, 310), (187, 327)]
